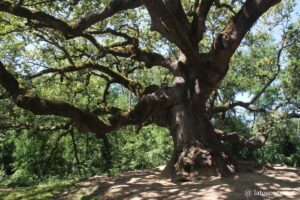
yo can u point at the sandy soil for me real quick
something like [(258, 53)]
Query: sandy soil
[(280, 183)]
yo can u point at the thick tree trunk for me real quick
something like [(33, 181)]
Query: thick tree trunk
[(197, 152)]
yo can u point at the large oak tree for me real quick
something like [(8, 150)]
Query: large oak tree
[(184, 106)]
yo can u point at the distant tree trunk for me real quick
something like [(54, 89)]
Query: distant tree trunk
[(75, 151), (106, 154)]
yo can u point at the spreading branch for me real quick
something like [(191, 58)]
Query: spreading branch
[(69, 30), (149, 58), (224, 5), (293, 115), (164, 22), (85, 120), (248, 105), (176, 8), (133, 86), (199, 18), (229, 39), (237, 139), (127, 49)]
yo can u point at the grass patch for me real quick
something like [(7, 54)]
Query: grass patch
[(41, 191)]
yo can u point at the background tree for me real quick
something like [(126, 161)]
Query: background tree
[(49, 49)]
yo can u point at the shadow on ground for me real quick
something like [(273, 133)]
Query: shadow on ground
[(280, 183)]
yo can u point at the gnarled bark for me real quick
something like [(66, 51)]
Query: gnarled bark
[(197, 152)]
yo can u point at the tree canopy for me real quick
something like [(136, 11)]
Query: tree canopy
[(207, 71)]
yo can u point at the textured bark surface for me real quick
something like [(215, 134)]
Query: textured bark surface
[(197, 152)]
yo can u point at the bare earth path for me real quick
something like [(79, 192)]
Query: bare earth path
[(280, 183)]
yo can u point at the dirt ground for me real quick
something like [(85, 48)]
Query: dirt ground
[(282, 182)]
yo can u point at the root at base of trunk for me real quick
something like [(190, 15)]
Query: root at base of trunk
[(195, 161)]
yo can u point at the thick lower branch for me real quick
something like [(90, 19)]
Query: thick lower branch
[(88, 121), (227, 107), (237, 139)]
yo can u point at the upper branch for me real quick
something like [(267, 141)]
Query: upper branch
[(113, 8), (149, 58), (67, 29), (224, 5), (133, 86), (198, 23), (175, 7), (75, 30), (130, 49), (164, 22), (229, 39), (247, 105)]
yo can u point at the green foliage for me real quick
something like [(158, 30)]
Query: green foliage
[(283, 146), (35, 159), (150, 148), (236, 125)]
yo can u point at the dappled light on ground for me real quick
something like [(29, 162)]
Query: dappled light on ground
[(280, 183)]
